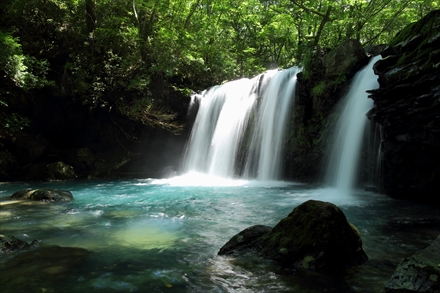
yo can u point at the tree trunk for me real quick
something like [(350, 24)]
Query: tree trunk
[(91, 15), (324, 20)]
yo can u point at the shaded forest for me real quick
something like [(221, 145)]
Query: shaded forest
[(140, 60)]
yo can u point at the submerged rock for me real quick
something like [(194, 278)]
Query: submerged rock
[(39, 269), (43, 194), (315, 235), (418, 273)]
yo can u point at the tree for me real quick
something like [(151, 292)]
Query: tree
[(122, 55)]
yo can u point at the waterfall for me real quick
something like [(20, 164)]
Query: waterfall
[(239, 127), (349, 131), (268, 137)]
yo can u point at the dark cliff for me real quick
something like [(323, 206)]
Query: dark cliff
[(407, 106)]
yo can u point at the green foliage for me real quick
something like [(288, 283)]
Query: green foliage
[(25, 71), (319, 89), (102, 52)]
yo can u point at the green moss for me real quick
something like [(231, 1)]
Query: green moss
[(319, 89), (425, 26)]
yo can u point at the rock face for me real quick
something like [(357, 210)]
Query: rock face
[(315, 235), (407, 106), (418, 273), (346, 59), (323, 82), (43, 194)]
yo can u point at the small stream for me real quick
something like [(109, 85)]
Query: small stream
[(163, 235)]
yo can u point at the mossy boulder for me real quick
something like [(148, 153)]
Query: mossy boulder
[(315, 235), (43, 194), (60, 171)]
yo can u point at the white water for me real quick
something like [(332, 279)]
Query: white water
[(268, 135), (242, 124), (349, 131)]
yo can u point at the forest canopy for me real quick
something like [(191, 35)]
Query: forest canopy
[(121, 54)]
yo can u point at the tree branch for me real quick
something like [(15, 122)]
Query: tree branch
[(310, 10)]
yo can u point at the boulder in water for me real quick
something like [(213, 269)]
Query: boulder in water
[(315, 235), (245, 241), (43, 194), (418, 273)]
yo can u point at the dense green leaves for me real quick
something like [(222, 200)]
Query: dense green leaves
[(119, 54)]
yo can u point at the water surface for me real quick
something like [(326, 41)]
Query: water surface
[(163, 235)]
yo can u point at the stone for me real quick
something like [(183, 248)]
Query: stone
[(315, 235), (244, 240), (346, 59), (407, 106), (418, 273), (60, 171), (43, 194), (11, 245)]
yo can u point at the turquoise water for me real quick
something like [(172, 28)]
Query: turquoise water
[(163, 235)]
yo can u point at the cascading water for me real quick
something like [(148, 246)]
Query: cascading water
[(268, 136), (246, 113), (345, 152)]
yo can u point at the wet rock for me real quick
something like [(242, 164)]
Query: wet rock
[(315, 235), (11, 245), (245, 240), (43, 194), (418, 273), (38, 270), (407, 106), (60, 171)]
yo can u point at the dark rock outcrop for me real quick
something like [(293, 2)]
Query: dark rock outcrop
[(12, 245), (418, 273), (60, 171), (43, 194), (346, 59), (323, 82), (407, 106), (315, 235)]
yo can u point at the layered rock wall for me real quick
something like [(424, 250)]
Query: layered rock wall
[(407, 106)]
